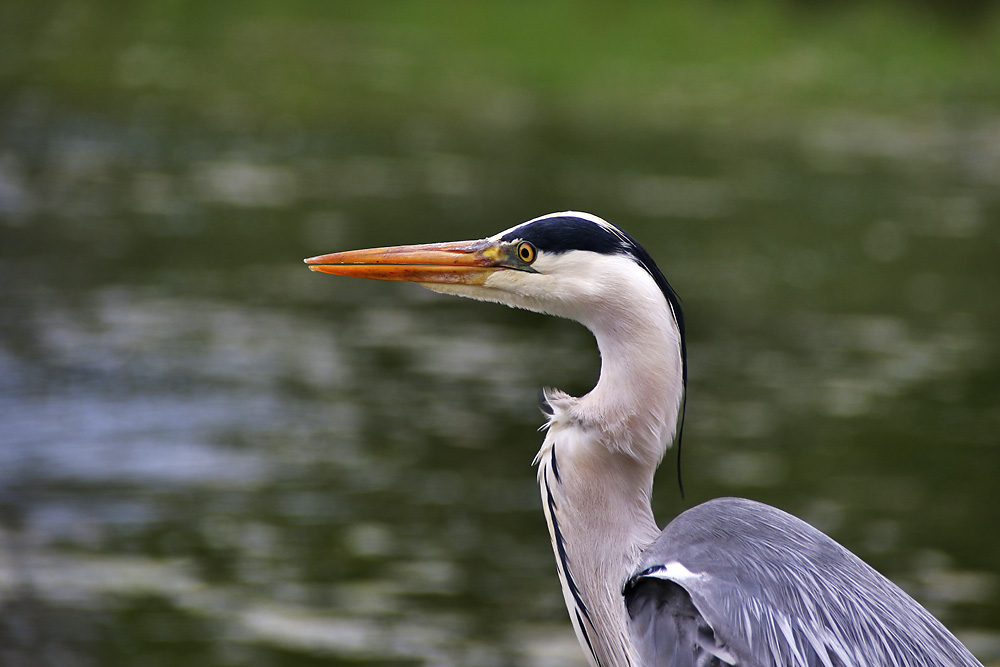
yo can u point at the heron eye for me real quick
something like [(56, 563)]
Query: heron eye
[(526, 252)]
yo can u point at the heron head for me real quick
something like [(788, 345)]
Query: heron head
[(568, 264)]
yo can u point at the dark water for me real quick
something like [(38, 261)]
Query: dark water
[(208, 453)]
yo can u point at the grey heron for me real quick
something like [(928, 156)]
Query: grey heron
[(728, 582)]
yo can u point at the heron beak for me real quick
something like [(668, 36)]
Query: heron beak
[(458, 262)]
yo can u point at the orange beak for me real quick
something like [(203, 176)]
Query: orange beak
[(461, 262)]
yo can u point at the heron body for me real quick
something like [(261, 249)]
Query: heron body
[(729, 582)]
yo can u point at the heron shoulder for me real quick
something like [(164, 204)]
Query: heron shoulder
[(769, 589)]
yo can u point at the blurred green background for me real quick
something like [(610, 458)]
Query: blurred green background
[(209, 454)]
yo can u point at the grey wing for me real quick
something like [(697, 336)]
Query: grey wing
[(735, 582), (667, 629)]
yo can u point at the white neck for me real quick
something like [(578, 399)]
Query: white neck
[(596, 471), (638, 397)]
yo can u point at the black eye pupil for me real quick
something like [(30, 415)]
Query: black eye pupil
[(525, 252)]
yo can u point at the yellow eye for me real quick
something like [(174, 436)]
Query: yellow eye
[(526, 252)]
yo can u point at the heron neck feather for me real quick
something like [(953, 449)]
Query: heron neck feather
[(597, 507), (637, 399), (597, 463)]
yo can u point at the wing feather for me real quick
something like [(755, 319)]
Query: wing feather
[(736, 582)]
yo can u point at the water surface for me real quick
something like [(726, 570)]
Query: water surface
[(209, 453)]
